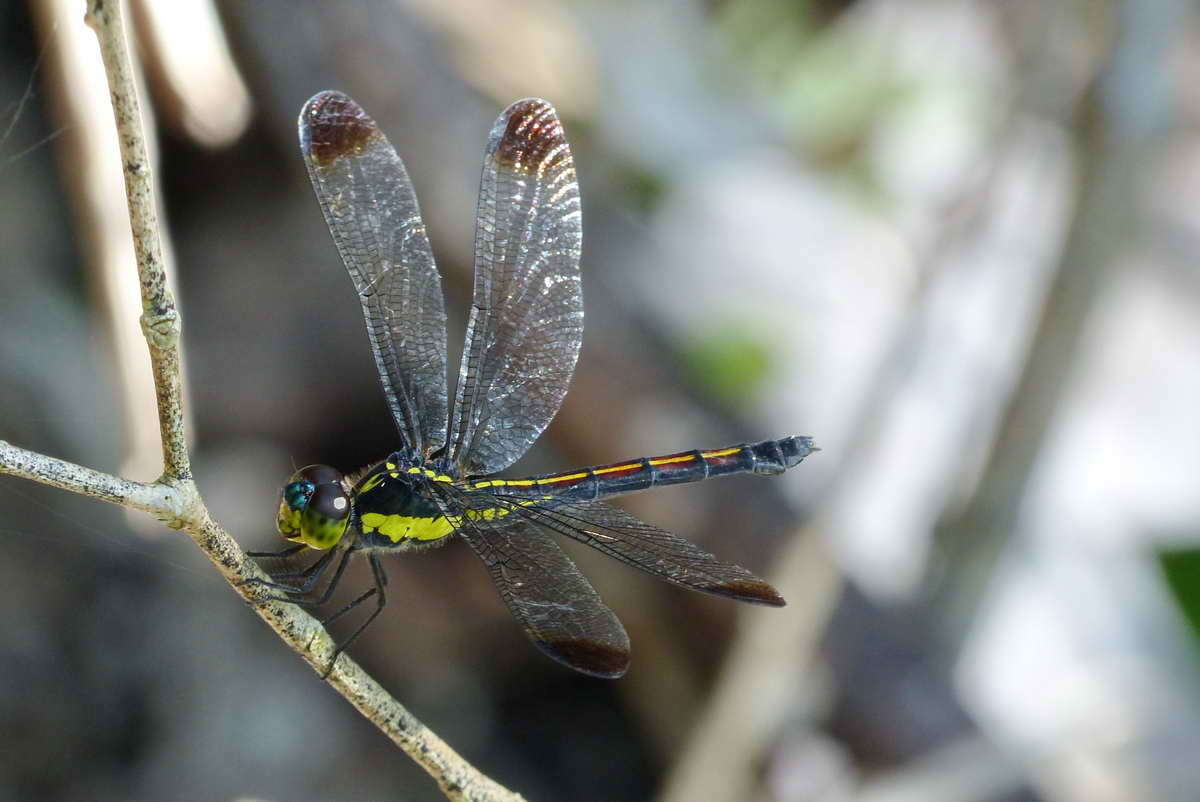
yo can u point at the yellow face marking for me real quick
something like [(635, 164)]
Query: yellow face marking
[(288, 520)]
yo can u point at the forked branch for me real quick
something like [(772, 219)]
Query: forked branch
[(173, 498)]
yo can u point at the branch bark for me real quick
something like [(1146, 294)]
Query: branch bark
[(174, 498), (160, 319)]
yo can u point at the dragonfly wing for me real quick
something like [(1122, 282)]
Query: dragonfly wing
[(557, 607), (526, 322), (372, 213), (618, 534)]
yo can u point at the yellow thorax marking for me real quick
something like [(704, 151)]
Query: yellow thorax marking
[(391, 471), (403, 527), (370, 483), (428, 474)]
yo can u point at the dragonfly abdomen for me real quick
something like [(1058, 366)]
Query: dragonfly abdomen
[(768, 458)]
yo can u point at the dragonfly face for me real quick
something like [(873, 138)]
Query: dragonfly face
[(523, 337), (315, 508)]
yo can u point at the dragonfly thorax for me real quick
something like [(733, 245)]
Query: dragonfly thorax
[(395, 507), (314, 508)]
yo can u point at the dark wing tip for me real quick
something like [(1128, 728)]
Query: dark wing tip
[(603, 660), (332, 125), (527, 136), (754, 591)]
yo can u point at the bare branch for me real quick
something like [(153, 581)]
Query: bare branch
[(151, 498), (160, 319)]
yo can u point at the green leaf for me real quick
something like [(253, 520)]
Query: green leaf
[(732, 364), (1181, 569)]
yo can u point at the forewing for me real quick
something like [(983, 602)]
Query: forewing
[(557, 607), (526, 322), (372, 213), (618, 534)]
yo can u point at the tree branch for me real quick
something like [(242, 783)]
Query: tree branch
[(160, 319), (174, 499)]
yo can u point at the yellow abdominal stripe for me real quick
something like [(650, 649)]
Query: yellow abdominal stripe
[(572, 477)]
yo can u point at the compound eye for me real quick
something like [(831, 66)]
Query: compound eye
[(320, 475), (326, 517), (329, 501)]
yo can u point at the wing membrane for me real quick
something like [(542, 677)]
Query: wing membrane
[(557, 607), (620, 535), (372, 213), (526, 322)]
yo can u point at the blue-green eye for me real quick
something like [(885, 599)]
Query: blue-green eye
[(297, 494)]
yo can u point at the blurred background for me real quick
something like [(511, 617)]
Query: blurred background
[(952, 241)]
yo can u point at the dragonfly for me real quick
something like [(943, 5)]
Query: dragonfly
[(523, 338)]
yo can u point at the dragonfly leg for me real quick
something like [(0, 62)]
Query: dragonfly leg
[(330, 619), (311, 576), (288, 552), (380, 603), (337, 578)]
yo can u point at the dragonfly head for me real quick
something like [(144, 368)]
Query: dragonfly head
[(314, 508)]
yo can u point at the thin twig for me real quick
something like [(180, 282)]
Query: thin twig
[(160, 319), (174, 499), (151, 498), (77, 95)]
